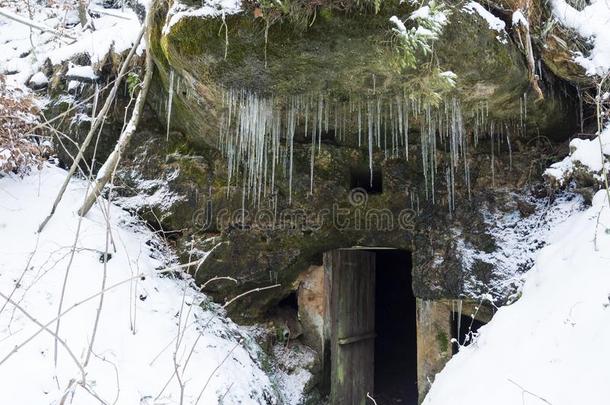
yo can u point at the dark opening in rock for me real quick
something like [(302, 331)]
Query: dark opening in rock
[(290, 301), (463, 328), (361, 178)]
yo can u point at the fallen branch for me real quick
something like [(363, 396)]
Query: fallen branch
[(524, 28), (33, 24), (111, 164), (94, 127)]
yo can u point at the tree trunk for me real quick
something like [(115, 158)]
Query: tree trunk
[(109, 167), (94, 127)]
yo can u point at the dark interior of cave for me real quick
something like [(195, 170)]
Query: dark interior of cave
[(395, 344), (462, 326), (360, 177)]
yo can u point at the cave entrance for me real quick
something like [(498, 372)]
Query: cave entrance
[(372, 328)]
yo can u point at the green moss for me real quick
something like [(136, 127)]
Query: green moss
[(326, 13), (443, 341)]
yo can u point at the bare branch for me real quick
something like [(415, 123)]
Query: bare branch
[(249, 292), (111, 164), (94, 127), (7, 14)]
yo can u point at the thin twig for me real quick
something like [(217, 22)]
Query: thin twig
[(45, 327), (249, 292), (524, 391), (216, 369)]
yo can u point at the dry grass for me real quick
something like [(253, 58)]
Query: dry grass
[(19, 151)]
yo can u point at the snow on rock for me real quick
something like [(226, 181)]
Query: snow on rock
[(493, 22), (293, 364), (585, 154), (550, 346), (151, 193), (591, 23), (38, 80), (518, 237), (19, 61), (132, 360), (81, 72), (208, 9)]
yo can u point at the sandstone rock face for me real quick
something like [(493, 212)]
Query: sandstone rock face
[(347, 59), (184, 185)]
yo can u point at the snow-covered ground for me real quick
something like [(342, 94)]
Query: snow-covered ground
[(551, 345), (24, 50), (592, 23), (133, 349)]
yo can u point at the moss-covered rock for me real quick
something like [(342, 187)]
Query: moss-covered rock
[(346, 56)]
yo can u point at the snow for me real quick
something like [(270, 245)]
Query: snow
[(591, 23), (449, 76), (21, 57), (430, 20), (551, 345), (553, 341), (519, 19), (294, 362), (425, 13), (422, 12), (208, 9), (518, 238), (151, 193), (39, 79), (585, 153), (82, 72), (400, 26), (139, 320), (493, 22)]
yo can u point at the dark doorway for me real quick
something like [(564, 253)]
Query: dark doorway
[(372, 325), (395, 326)]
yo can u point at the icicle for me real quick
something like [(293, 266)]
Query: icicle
[(170, 100), (385, 139), (313, 150), (491, 134), (510, 152), (406, 129), (95, 100), (378, 122), (291, 130), (370, 122), (320, 122), (580, 109), (359, 125), (459, 320)]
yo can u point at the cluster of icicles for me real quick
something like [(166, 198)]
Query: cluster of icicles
[(258, 136)]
